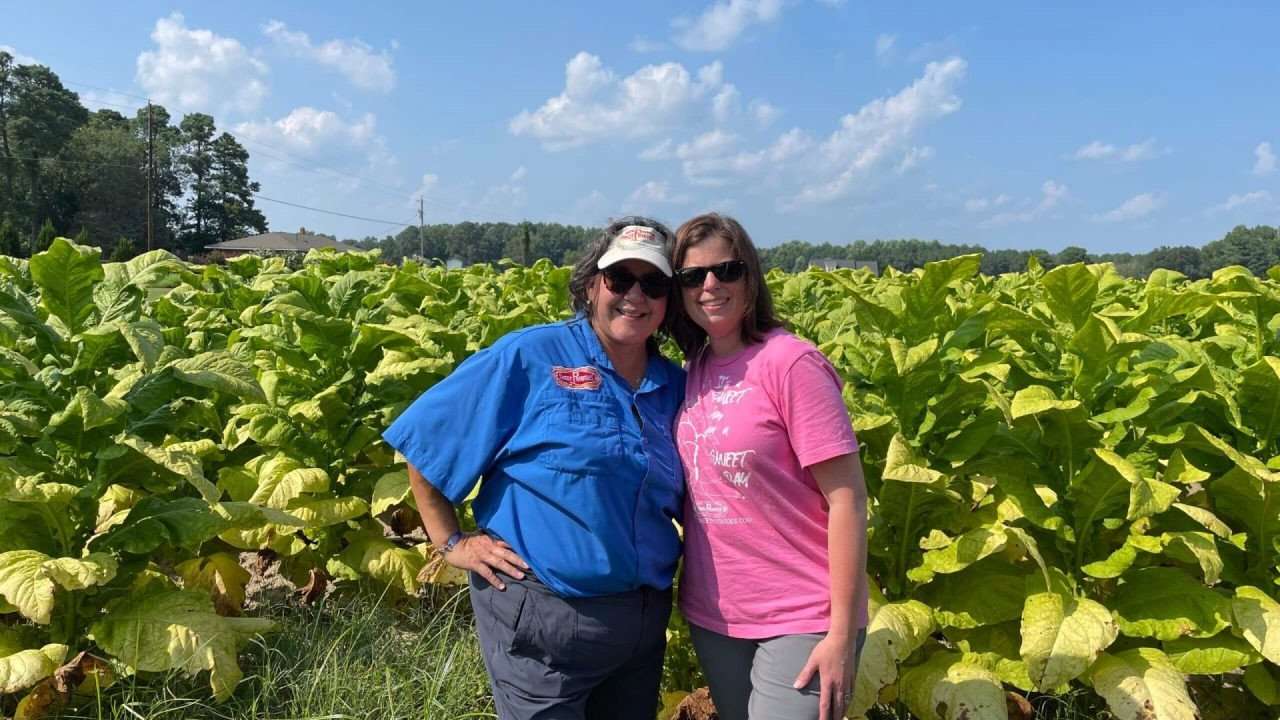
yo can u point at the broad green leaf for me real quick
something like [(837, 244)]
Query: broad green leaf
[(81, 573), (1257, 616), (322, 512), (1167, 604), (247, 515), (985, 593), (962, 552), (1222, 653), (1062, 636), (164, 629), (66, 274), (391, 490), (154, 521), (1038, 399), (221, 372), (1251, 503), (221, 576), (24, 668), (903, 464), (893, 634), (24, 584), (1142, 683), (281, 480), (184, 465), (1264, 683), (1072, 290), (1259, 396), (146, 338), (1197, 547), (1180, 471)]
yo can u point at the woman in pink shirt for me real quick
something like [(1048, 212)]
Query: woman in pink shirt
[(775, 517)]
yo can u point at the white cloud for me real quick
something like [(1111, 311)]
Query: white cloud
[(974, 205), (1136, 207), (865, 139), (644, 45), (1235, 201), (914, 157), (725, 103), (1051, 195), (519, 174), (194, 70), (654, 192), (1265, 162), (596, 105), (720, 24), (355, 60), (884, 45), (1098, 150), (318, 137), (661, 151), (19, 58), (712, 158), (833, 3), (764, 112)]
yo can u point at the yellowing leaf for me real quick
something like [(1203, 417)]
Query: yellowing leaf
[(1143, 684), (164, 629), (221, 576), (893, 634), (25, 585), (904, 465), (1257, 615), (1062, 636), (81, 573), (22, 669), (391, 490)]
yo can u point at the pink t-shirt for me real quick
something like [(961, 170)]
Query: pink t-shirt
[(755, 534)]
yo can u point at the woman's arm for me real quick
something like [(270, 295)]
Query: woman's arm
[(841, 482), (476, 552)]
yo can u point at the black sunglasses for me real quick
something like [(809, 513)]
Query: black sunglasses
[(727, 271), (619, 281)]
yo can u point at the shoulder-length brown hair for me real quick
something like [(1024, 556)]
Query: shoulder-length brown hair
[(759, 317)]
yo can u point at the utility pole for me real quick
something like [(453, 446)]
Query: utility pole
[(151, 168), (422, 247), (525, 244)]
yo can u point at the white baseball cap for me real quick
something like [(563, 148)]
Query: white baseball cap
[(639, 243)]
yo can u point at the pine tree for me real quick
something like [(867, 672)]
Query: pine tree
[(45, 238)]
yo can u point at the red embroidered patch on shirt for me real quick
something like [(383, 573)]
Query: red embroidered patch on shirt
[(579, 378)]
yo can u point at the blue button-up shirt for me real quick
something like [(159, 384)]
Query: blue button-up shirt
[(581, 474)]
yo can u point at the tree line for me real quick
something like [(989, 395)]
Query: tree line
[(1257, 248), (67, 171)]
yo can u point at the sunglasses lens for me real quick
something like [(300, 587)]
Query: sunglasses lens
[(655, 285), (728, 271), (618, 281)]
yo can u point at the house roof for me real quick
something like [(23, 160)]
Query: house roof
[(301, 241), (832, 263)]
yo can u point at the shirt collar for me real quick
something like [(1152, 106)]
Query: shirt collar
[(656, 371)]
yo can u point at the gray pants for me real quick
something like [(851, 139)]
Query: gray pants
[(752, 679), (554, 658)]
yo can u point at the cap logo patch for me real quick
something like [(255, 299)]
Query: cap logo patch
[(579, 378)]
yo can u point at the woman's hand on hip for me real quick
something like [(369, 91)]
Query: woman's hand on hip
[(486, 556), (832, 660)]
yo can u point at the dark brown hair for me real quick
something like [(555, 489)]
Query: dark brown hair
[(759, 317), (585, 270)]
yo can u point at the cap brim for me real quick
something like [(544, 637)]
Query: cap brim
[(653, 257)]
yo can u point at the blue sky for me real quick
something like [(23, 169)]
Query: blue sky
[(1003, 124)]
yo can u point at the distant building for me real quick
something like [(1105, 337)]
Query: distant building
[(279, 242), (830, 264)]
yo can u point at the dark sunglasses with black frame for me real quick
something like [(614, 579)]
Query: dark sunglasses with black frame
[(727, 272), (619, 280)]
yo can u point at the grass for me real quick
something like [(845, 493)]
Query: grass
[(348, 657), (352, 656)]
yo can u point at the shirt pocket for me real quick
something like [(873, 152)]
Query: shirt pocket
[(581, 436)]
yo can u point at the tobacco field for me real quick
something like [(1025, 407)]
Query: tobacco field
[(1074, 477)]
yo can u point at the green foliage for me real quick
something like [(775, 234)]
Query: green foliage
[(1073, 476)]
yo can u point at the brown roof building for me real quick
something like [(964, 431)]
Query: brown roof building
[(289, 242)]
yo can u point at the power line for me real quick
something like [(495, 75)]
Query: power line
[(104, 89), (332, 212)]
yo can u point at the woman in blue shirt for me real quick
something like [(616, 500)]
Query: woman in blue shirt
[(570, 425)]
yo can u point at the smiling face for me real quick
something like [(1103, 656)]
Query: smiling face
[(715, 306), (628, 320)]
